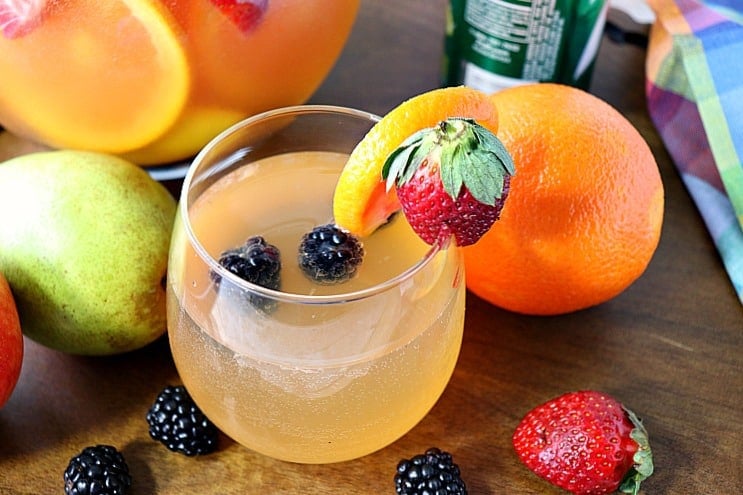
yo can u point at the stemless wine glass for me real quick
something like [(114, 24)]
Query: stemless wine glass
[(309, 372)]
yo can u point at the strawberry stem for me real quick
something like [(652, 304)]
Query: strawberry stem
[(643, 458)]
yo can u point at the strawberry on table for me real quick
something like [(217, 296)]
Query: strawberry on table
[(451, 180), (585, 442)]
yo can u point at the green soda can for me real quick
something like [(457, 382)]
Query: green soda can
[(494, 44)]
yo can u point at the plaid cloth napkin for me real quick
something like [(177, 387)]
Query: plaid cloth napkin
[(695, 98)]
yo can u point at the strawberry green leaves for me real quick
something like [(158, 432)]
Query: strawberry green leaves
[(451, 180), (643, 458), (469, 155)]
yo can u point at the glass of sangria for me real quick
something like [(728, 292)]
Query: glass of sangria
[(155, 80), (305, 371)]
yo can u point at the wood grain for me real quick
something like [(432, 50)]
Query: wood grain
[(669, 346)]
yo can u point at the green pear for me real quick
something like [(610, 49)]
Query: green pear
[(84, 243)]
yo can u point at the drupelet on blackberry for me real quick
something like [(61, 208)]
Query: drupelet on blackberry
[(97, 470), (257, 262), (177, 422), (329, 254), (432, 473)]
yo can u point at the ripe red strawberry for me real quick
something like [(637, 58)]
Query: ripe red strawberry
[(19, 17), (585, 442), (451, 180), (244, 13)]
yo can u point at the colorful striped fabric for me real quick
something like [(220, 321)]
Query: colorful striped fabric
[(695, 97)]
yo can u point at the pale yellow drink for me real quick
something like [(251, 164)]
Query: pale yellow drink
[(325, 377)]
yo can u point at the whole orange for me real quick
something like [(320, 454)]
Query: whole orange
[(584, 213)]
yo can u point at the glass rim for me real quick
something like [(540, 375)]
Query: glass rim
[(279, 295)]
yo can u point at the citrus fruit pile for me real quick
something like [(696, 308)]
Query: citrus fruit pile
[(585, 207)]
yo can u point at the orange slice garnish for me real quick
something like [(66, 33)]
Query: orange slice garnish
[(361, 202), (109, 76)]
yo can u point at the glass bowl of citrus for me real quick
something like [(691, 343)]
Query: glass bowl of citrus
[(154, 80)]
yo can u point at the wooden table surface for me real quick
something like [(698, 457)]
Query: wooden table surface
[(669, 346)]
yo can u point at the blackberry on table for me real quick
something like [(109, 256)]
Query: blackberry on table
[(257, 262), (329, 254), (432, 473), (97, 470), (177, 422)]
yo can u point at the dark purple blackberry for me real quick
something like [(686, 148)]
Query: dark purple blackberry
[(432, 473), (257, 262), (97, 470), (329, 254), (178, 423)]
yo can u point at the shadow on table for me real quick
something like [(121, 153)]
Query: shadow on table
[(63, 399)]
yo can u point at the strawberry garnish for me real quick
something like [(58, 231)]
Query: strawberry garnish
[(451, 180), (245, 14), (20, 17), (586, 443)]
